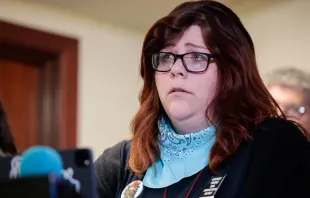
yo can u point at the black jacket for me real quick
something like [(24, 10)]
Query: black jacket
[(274, 164)]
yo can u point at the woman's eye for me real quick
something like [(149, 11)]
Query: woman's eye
[(167, 57), (197, 56)]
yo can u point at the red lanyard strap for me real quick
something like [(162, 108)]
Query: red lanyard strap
[(190, 190)]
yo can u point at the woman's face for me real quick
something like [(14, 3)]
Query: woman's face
[(188, 106)]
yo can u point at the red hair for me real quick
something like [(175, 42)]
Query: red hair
[(241, 100)]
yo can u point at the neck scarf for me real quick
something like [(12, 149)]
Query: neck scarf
[(181, 155)]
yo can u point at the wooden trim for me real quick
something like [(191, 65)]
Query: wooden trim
[(66, 51), (49, 106), (69, 83)]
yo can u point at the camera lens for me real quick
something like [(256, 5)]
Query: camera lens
[(86, 162)]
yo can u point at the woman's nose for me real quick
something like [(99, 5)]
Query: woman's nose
[(178, 69)]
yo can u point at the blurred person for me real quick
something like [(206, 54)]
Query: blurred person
[(291, 89), (7, 145), (207, 123)]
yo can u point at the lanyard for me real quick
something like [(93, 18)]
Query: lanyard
[(190, 190)]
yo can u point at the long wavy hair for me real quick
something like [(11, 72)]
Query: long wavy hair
[(241, 100)]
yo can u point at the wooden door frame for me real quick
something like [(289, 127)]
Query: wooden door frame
[(61, 111)]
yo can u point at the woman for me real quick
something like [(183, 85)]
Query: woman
[(7, 145), (207, 124)]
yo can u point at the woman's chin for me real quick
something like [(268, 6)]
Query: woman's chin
[(179, 112)]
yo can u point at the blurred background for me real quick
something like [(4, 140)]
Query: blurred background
[(69, 68)]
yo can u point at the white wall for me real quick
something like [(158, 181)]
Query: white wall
[(281, 34), (108, 72)]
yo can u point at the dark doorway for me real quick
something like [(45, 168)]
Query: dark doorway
[(38, 86)]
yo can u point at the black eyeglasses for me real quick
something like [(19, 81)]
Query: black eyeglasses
[(194, 62)]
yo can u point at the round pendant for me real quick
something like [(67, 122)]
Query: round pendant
[(132, 190)]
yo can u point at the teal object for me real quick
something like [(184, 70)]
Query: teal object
[(40, 160)]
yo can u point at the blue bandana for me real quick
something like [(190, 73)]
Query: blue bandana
[(181, 156)]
